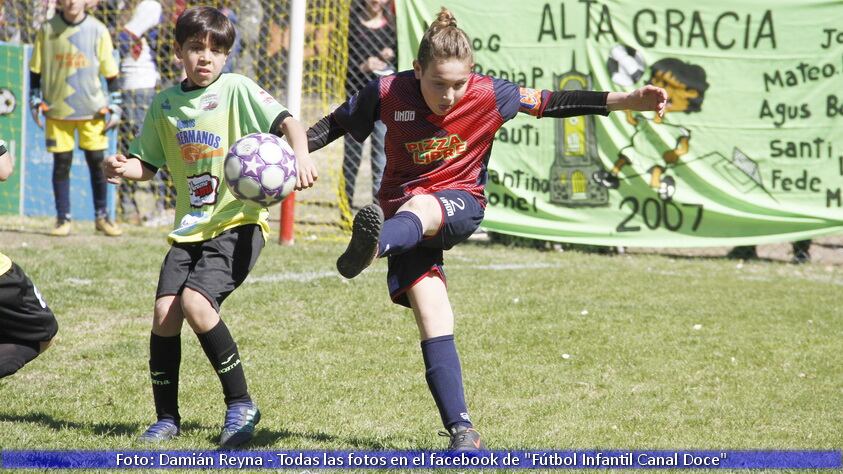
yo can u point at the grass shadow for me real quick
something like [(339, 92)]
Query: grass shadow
[(678, 256), (101, 429), (25, 231)]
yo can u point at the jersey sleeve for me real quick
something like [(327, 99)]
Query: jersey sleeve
[(512, 99), (258, 107), (147, 146), (35, 61), (358, 114), (105, 55), (507, 96)]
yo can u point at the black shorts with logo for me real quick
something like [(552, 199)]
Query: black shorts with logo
[(215, 267), (461, 216), (24, 316)]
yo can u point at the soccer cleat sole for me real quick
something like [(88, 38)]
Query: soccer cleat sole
[(364, 242)]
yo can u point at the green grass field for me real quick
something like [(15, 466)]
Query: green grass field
[(562, 350)]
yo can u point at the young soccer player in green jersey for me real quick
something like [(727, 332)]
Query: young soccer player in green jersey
[(217, 238)]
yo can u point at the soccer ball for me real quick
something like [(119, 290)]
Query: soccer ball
[(260, 168), (626, 65), (8, 102)]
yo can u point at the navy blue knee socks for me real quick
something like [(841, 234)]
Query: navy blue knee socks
[(444, 378), (400, 233)]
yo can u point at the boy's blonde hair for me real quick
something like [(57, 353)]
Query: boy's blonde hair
[(443, 40)]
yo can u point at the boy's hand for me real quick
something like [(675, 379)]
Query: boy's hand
[(37, 106), (306, 174), (648, 98), (114, 167)]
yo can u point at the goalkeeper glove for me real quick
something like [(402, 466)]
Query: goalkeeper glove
[(114, 111), (37, 106)]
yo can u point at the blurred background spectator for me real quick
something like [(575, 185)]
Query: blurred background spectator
[(371, 52)]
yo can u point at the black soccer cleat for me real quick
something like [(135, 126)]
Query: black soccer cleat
[(464, 438), (363, 247)]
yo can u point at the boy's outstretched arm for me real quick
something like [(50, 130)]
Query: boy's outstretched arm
[(323, 132), (297, 137), (118, 166), (647, 98)]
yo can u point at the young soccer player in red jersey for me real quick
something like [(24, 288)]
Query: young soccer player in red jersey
[(441, 120)]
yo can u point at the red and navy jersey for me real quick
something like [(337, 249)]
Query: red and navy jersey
[(428, 152)]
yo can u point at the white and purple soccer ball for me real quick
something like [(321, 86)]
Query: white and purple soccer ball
[(261, 168)]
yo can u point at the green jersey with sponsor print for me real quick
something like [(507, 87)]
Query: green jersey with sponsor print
[(191, 132), (71, 59)]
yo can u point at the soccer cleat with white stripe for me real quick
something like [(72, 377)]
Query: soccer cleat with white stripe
[(239, 425), (161, 430)]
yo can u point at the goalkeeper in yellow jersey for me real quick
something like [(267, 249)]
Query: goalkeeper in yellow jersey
[(72, 50)]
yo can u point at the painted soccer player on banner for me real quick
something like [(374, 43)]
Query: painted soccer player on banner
[(647, 152)]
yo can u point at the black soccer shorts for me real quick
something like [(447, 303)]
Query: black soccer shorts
[(24, 316), (215, 267)]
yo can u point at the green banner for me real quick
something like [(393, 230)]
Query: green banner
[(751, 151), (12, 108)]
